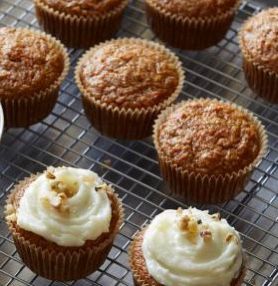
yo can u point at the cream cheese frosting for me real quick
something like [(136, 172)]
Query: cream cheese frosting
[(66, 205), (192, 248)]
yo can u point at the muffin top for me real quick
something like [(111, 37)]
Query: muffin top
[(259, 38), (196, 9), (129, 74), (64, 205), (29, 62), (208, 137), (84, 8), (197, 249)]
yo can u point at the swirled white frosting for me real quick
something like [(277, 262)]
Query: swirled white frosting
[(192, 248), (66, 205)]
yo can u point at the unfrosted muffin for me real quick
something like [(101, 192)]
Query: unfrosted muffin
[(125, 83), (259, 45), (191, 24), (63, 222), (32, 67), (197, 249), (80, 23), (208, 148)]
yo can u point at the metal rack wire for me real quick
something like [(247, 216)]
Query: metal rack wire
[(66, 138)]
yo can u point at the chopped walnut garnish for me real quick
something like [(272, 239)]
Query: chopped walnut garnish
[(231, 237), (199, 221), (68, 189), (206, 235), (188, 224), (101, 186), (216, 216), (183, 223), (50, 175), (59, 203)]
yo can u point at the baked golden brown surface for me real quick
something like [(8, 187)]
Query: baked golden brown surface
[(129, 75), (139, 268), (259, 38), (209, 137), (83, 7), (29, 63), (45, 244), (195, 9)]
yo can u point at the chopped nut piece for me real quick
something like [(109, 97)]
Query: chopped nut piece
[(206, 235), (199, 221), (183, 223), (59, 203), (188, 224), (216, 216), (50, 175), (101, 186), (68, 189), (231, 237)]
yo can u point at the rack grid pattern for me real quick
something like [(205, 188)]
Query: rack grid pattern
[(66, 138)]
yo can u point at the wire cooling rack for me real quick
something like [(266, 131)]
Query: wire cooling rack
[(66, 138)]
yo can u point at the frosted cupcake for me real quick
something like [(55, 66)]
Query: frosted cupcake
[(187, 247), (63, 222)]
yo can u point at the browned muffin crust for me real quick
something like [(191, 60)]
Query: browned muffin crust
[(39, 241), (140, 271), (196, 8), (209, 137), (84, 8), (129, 75), (29, 63), (259, 38)]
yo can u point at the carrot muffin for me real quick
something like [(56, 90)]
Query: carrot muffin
[(32, 67), (191, 24), (80, 23), (197, 249), (125, 83), (63, 222), (259, 46), (207, 148)]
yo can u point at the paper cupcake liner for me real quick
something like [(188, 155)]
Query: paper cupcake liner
[(199, 188), (27, 110), (121, 122), (63, 263), (139, 270), (185, 32), (79, 31)]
